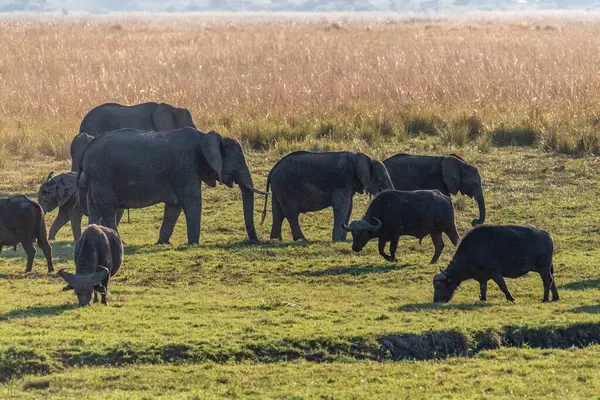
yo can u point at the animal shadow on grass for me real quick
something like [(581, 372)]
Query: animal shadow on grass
[(60, 251), (353, 270), (274, 244), (582, 285), (31, 312), (439, 306), (586, 309)]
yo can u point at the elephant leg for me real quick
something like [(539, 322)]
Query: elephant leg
[(119, 215), (61, 219), (438, 243), (170, 217), (94, 213), (502, 285), (108, 218), (75, 216), (278, 218), (341, 201), (295, 226), (30, 251), (483, 290), (192, 209)]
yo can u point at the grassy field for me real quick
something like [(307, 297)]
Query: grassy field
[(283, 319)]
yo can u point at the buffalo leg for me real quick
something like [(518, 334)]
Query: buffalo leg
[(61, 219), (30, 251), (438, 243), (278, 218), (170, 217), (105, 284), (382, 243), (502, 285), (47, 249), (452, 234), (342, 206), (483, 290), (394, 247), (95, 296)]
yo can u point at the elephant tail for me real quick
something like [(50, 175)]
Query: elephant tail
[(264, 212), (41, 233)]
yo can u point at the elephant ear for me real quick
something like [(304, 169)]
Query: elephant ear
[(183, 118), (65, 188), (363, 169), (164, 117), (451, 174), (211, 145)]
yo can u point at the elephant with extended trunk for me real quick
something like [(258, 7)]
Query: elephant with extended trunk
[(449, 175), (143, 117), (133, 169), (306, 181)]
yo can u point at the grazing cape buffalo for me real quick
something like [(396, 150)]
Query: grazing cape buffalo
[(22, 221), (98, 256), (495, 252), (395, 213)]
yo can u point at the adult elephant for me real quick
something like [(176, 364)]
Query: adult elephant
[(143, 117), (132, 169), (306, 181), (448, 174)]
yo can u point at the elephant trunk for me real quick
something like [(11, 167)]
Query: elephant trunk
[(247, 189), (481, 205)]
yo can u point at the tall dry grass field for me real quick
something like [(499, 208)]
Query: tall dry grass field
[(266, 83)]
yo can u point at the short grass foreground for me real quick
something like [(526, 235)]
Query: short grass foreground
[(295, 319)]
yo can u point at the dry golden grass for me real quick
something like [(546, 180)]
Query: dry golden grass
[(265, 82)]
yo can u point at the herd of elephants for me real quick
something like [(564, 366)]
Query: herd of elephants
[(136, 156)]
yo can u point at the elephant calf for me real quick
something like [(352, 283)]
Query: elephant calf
[(395, 213), (22, 221), (98, 256), (59, 191), (495, 252), (306, 181), (449, 175)]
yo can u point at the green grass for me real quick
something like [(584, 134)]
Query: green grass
[(226, 318)]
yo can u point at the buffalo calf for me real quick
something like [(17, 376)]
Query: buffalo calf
[(495, 252), (22, 221), (98, 256), (415, 213)]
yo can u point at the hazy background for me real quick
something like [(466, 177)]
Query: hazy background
[(406, 6)]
